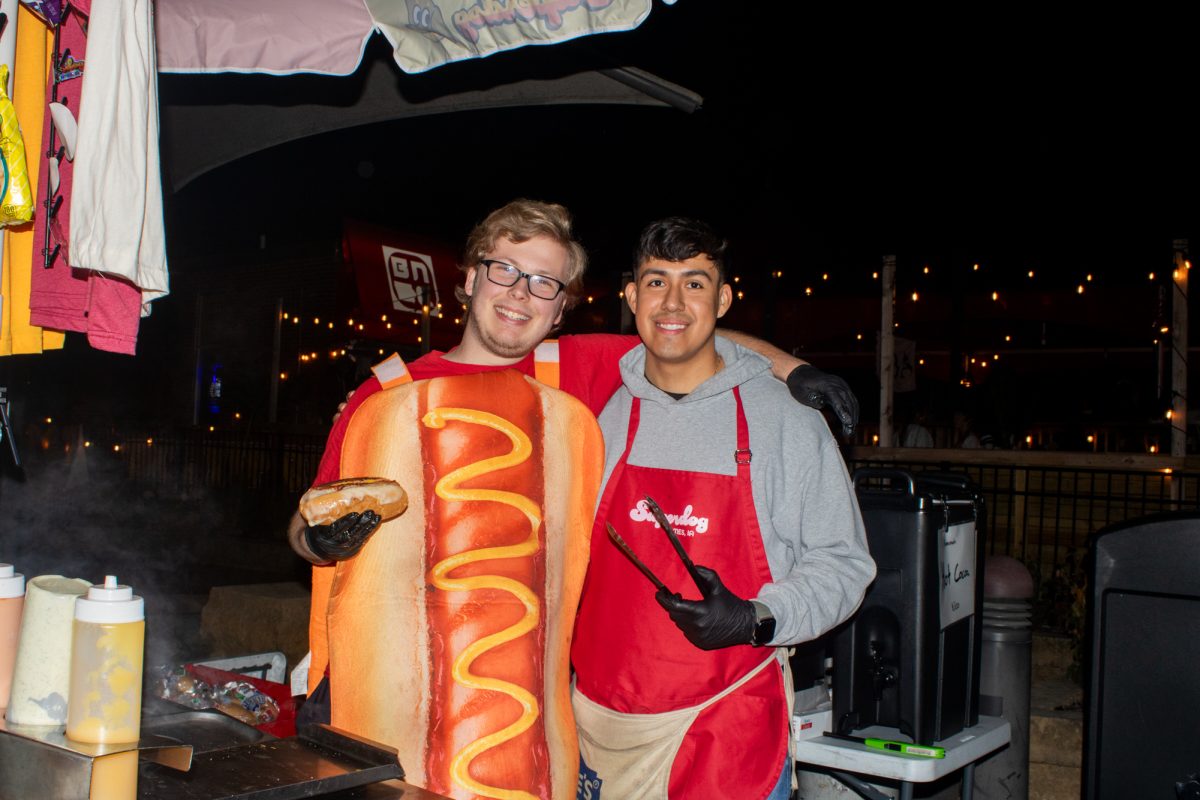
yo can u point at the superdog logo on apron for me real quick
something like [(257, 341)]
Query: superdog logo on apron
[(589, 783), (685, 523)]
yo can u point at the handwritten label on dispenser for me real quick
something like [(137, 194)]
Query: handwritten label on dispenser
[(956, 557)]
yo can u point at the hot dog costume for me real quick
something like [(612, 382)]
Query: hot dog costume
[(490, 719), (758, 491)]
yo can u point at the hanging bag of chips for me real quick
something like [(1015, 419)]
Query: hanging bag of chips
[(16, 199)]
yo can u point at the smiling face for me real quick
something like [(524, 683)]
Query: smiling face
[(505, 323), (676, 305)]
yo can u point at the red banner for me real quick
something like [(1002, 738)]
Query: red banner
[(398, 275)]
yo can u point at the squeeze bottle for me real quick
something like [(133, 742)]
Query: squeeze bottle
[(105, 701), (12, 601)]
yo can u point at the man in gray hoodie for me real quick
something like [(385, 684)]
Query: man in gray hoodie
[(684, 691)]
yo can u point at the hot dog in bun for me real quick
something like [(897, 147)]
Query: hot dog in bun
[(325, 504)]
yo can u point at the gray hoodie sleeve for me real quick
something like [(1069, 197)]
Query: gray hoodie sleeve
[(816, 544)]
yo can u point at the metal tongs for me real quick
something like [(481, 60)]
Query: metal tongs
[(665, 524)]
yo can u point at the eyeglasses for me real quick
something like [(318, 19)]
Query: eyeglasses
[(502, 274)]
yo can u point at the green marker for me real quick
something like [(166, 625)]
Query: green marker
[(889, 746)]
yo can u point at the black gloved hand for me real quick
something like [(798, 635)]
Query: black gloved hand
[(815, 389), (721, 619), (343, 537)]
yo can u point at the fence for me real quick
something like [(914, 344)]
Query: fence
[(1042, 507), (272, 464)]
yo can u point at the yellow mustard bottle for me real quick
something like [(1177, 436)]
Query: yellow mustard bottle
[(107, 643)]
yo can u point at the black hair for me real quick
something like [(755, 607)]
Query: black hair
[(678, 239)]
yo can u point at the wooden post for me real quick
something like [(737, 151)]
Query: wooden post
[(887, 351), (1179, 339)]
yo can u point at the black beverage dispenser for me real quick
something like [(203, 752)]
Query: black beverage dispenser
[(909, 659)]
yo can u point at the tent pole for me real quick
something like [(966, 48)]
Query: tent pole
[(887, 351)]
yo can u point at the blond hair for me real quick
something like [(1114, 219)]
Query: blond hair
[(520, 221)]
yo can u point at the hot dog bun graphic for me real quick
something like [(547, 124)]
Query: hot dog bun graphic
[(448, 635)]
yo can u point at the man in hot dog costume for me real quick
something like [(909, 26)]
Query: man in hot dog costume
[(502, 474), (682, 692)]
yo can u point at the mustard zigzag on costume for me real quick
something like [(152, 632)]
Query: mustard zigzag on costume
[(447, 488)]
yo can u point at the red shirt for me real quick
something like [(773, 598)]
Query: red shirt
[(587, 369)]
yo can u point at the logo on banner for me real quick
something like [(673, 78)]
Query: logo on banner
[(410, 280), (685, 523)]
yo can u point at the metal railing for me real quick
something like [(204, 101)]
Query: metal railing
[(1042, 507), (268, 463)]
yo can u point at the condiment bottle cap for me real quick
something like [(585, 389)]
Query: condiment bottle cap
[(110, 603), (12, 584)]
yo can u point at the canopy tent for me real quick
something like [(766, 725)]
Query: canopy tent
[(208, 122)]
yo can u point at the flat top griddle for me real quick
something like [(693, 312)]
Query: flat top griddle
[(320, 761)]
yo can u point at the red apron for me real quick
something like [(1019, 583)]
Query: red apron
[(631, 659)]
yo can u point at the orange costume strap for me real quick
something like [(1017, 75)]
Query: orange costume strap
[(392, 371)]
